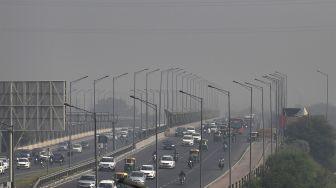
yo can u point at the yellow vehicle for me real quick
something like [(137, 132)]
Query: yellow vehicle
[(118, 176), (194, 155), (204, 144), (129, 164)]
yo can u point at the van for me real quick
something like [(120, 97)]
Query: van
[(2, 168)]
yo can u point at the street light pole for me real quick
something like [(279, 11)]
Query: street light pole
[(250, 166), (262, 115), (95, 125), (270, 96), (153, 106), (70, 118), (227, 93), (199, 99), (147, 74), (327, 106), (276, 107), (167, 70), (134, 79), (113, 121)]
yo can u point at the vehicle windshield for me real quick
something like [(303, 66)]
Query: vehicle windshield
[(190, 129), (137, 174), (76, 146), (146, 168), (196, 134), (187, 137), (107, 160), (166, 158), (105, 185), (23, 160), (92, 178)]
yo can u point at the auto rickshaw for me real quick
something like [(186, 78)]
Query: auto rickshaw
[(129, 164), (204, 144), (118, 176), (194, 155)]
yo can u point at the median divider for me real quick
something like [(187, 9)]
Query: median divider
[(119, 154)]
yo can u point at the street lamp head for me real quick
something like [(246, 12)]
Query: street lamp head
[(66, 104), (133, 97), (210, 86), (234, 81), (182, 91)]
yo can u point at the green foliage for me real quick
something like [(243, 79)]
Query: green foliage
[(292, 167), (319, 134)]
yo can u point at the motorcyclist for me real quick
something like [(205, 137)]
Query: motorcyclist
[(182, 177), (190, 163), (154, 156), (176, 155), (221, 163)]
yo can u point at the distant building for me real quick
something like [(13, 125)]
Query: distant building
[(290, 115)]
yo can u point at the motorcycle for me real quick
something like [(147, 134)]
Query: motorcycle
[(176, 156), (154, 157), (221, 164), (190, 164), (182, 180)]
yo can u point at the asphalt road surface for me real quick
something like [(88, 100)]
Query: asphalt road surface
[(169, 177)]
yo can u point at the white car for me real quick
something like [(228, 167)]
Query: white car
[(5, 161), (123, 134), (87, 181), (107, 163), (213, 127), (138, 177), (77, 148), (23, 163), (149, 171), (167, 161), (188, 140), (191, 129), (2, 168), (45, 155), (107, 184), (197, 137)]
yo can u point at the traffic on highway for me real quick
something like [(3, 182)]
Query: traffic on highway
[(178, 159)]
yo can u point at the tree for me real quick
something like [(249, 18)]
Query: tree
[(319, 134)]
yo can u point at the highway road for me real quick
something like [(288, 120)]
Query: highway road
[(77, 158), (169, 177)]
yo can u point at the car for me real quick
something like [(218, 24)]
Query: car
[(197, 137), (191, 129), (179, 131), (107, 163), (167, 161), (63, 146), (5, 161), (123, 134), (213, 127), (187, 140), (149, 171), (23, 163), (168, 145), (86, 181), (35, 152), (58, 158), (45, 155), (77, 148), (109, 136), (23, 154), (2, 168), (138, 177), (107, 184), (85, 144)]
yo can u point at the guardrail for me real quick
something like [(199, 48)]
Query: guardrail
[(90, 164), (87, 165)]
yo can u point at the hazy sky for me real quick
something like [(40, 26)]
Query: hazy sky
[(220, 40)]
